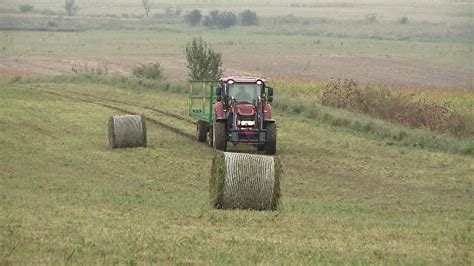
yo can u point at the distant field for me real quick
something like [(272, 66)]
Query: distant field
[(294, 40), (347, 198), (414, 64), (342, 9)]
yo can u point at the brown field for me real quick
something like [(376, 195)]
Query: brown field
[(380, 71)]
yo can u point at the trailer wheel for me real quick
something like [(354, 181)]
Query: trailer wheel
[(219, 136), (210, 138), (201, 131), (270, 147)]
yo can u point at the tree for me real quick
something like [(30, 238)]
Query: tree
[(71, 7), (227, 20), (221, 20), (26, 8), (147, 7), (403, 20), (248, 18), (203, 62), (193, 18)]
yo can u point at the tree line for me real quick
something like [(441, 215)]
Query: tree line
[(221, 19)]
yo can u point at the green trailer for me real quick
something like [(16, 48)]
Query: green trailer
[(201, 107)]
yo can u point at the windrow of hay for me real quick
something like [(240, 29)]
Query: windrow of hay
[(126, 131), (245, 181)]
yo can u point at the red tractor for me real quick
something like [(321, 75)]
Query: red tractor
[(243, 114)]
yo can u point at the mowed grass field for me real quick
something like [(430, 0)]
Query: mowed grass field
[(356, 190), (66, 197)]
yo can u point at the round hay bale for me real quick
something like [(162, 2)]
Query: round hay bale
[(245, 181), (127, 131)]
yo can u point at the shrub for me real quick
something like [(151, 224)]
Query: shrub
[(193, 18), (203, 62), (26, 8), (149, 71), (382, 104), (53, 24), (371, 18), (248, 18), (403, 20)]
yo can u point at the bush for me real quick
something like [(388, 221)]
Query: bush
[(383, 104), (221, 20), (149, 71), (403, 20), (193, 18), (371, 18), (26, 8), (53, 24), (248, 18), (203, 62)]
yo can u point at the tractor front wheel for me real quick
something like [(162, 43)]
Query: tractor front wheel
[(201, 131), (219, 136), (270, 147)]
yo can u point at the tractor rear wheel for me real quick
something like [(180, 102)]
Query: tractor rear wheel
[(270, 147), (201, 131), (219, 136)]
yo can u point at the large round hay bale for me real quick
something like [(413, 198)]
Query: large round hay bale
[(245, 181), (127, 131)]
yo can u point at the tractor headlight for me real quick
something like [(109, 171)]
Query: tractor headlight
[(230, 82), (259, 82)]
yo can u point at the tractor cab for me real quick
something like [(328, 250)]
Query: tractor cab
[(244, 93)]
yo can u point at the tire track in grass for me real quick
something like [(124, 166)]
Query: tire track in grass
[(120, 109), (179, 117)]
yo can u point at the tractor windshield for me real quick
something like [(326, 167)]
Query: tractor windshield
[(245, 92)]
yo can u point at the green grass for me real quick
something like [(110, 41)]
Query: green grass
[(299, 99), (347, 199)]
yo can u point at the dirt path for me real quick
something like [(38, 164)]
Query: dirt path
[(367, 70)]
